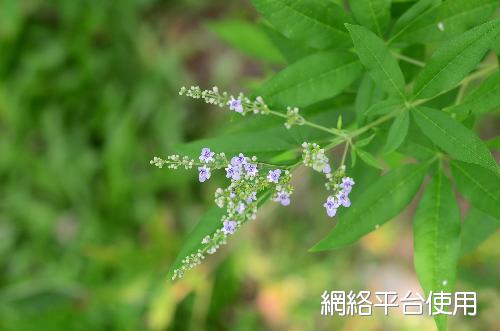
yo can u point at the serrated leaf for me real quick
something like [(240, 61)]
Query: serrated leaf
[(397, 132), (479, 186), (476, 228), (483, 99), (316, 23), (436, 236), (312, 79), (445, 21), (368, 94), (454, 138), (379, 61), (248, 38), (377, 204), (454, 60), (368, 158), (373, 14)]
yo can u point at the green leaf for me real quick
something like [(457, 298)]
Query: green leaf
[(208, 224), (368, 158), (312, 79), (379, 203), (397, 132), (316, 23), (365, 141), (413, 14), (373, 14), (483, 99), (481, 187), (436, 236), (368, 94), (248, 38), (454, 138), (384, 107), (454, 60), (476, 228), (455, 17), (379, 61), (290, 49)]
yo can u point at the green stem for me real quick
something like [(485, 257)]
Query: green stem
[(409, 59)]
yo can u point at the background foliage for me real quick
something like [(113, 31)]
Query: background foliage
[(88, 93)]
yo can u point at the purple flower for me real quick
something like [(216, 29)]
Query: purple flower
[(239, 160), (233, 172), (327, 169), (252, 197), (206, 155), (274, 176), (241, 208), (204, 173), (283, 198), (251, 169), (347, 183), (331, 206), (229, 227), (343, 199), (235, 105)]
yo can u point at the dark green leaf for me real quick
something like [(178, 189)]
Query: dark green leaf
[(384, 107), (315, 23), (290, 49), (454, 60), (312, 79), (445, 21), (379, 61), (368, 94), (454, 138), (373, 14), (397, 132), (412, 14), (436, 236), (377, 204), (481, 187)]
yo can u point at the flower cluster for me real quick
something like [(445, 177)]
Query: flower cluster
[(240, 104), (239, 199), (340, 186), (293, 117), (313, 156)]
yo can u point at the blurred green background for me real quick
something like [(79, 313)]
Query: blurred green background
[(88, 229)]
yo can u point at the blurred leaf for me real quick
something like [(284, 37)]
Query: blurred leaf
[(480, 186), (377, 58), (312, 79), (248, 38), (383, 107), (316, 23), (378, 203), (368, 158), (454, 60), (290, 49), (372, 14), (454, 138), (476, 228), (397, 132), (455, 17), (436, 236)]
